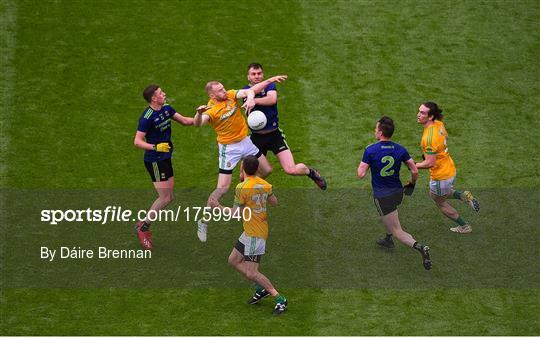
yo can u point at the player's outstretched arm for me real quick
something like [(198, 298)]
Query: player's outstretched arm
[(362, 170), (269, 100), (261, 85), (186, 121), (201, 119)]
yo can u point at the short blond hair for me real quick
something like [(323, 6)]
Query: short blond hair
[(209, 86)]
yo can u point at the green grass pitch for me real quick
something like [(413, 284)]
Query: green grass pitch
[(71, 78)]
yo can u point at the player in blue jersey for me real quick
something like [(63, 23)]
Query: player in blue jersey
[(384, 159), (154, 136), (271, 137)]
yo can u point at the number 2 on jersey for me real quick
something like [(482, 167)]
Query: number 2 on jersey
[(385, 170)]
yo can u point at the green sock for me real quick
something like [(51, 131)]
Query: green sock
[(457, 194), (460, 221), (280, 299), (258, 288)]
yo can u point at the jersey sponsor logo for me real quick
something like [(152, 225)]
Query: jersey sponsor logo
[(227, 115), (164, 123)]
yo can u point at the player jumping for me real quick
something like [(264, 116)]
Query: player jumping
[(271, 137), (223, 113)]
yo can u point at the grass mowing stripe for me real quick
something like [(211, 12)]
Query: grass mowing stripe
[(345, 312), (445, 312), (8, 39), (8, 22)]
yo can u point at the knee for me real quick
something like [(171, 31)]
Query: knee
[(251, 275), (231, 261), (290, 170), (268, 170), (168, 198)]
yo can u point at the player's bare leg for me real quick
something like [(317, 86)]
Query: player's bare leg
[(223, 184), (286, 160), (449, 211), (393, 226), (250, 270), (265, 169), (165, 190), (165, 197)]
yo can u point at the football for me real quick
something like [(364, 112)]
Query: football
[(256, 120)]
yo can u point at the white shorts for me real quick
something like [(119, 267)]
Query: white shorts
[(441, 187), (231, 154), (252, 248)]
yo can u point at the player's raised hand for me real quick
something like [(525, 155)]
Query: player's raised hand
[(278, 78), (248, 105), (202, 109), (163, 147)]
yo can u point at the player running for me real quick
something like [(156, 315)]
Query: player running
[(271, 137), (384, 159), (442, 170), (254, 193), (154, 136), (223, 113)]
